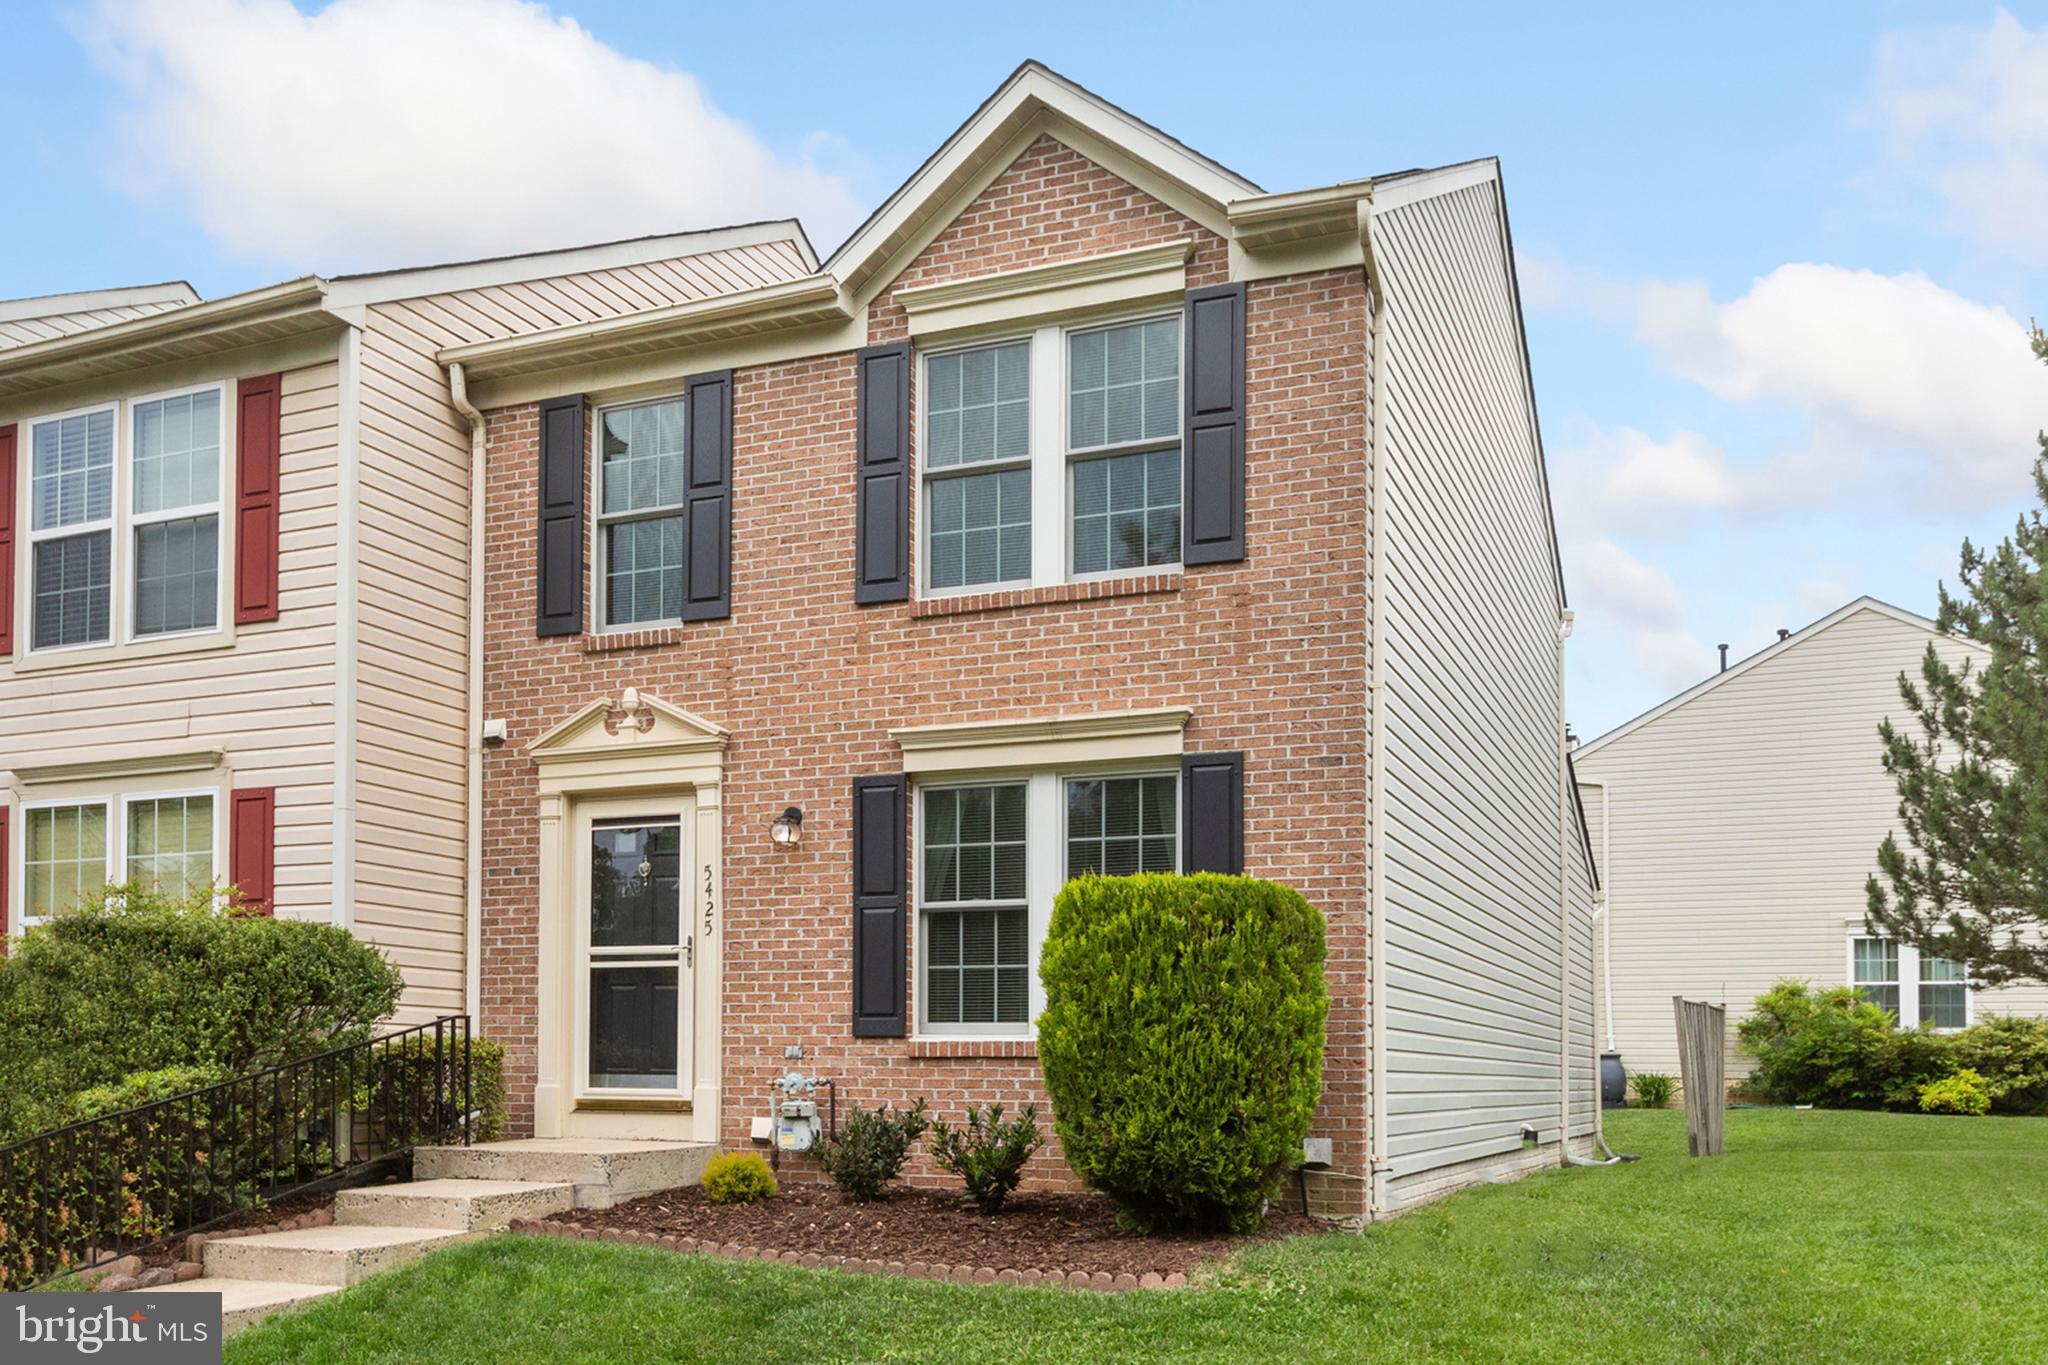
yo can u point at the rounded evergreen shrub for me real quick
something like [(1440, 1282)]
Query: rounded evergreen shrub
[(1965, 1092), (738, 1178), (1182, 1041)]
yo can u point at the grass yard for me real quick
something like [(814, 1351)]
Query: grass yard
[(1821, 1235)]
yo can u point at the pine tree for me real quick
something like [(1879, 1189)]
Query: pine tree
[(1971, 885)]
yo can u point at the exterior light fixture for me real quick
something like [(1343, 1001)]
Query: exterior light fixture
[(788, 829)]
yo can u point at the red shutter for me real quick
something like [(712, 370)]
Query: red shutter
[(252, 844), (259, 417), (7, 493)]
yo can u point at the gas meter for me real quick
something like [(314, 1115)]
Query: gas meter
[(796, 1108)]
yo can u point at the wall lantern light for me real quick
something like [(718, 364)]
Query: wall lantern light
[(788, 829)]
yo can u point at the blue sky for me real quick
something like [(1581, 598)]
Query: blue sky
[(1776, 259)]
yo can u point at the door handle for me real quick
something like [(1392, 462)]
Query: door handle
[(690, 952)]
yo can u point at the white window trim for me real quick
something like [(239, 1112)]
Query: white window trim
[(122, 637), (109, 524), (116, 805), (1050, 461), (127, 598), (600, 579), (1909, 981), (1045, 807)]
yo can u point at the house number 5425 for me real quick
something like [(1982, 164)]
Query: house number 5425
[(710, 906)]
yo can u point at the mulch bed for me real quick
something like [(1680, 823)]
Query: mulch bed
[(1057, 1236)]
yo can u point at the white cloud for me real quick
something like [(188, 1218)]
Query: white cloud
[(379, 132), (1619, 596), (1966, 111)]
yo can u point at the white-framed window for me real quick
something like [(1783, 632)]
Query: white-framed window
[(991, 854), (1916, 988), (640, 514), (124, 537), (73, 846), (1051, 456)]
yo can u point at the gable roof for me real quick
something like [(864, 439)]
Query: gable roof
[(1765, 655), (47, 316)]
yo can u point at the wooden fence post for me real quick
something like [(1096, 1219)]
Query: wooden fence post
[(1702, 1071)]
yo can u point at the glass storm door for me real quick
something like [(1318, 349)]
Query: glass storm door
[(639, 956)]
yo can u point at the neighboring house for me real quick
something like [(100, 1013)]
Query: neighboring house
[(1736, 823), (234, 583), (1090, 509)]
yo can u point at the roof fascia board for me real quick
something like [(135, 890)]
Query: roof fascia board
[(1390, 192), (91, 300), (1765, 655), (273, 303), (389, 286)]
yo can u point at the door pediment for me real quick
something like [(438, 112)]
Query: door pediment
[(631, 739)]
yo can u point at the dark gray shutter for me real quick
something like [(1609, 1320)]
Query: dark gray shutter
[(882, 447), (1212, 813), (879, 907), (1212, 453), (561, 517), (707, 497)]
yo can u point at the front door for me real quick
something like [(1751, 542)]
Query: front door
[(637, 957)]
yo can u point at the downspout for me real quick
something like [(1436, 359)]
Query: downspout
[(1600, 915), (1377, 361), (347, 621), (472, 744), (1564, 905)]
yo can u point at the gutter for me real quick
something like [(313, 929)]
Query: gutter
[(472, 745)]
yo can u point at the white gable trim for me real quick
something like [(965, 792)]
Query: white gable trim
[(1790, 642), (91, 300)]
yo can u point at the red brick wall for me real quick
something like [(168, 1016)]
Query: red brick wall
[(1269, 653)]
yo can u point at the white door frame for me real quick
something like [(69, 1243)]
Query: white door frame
[(636, 755), (590, 815)]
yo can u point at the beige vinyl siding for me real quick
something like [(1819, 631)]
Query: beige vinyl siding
[(22, 331), (1470, 782), (268, 702), (412, 625), (1743, 824)]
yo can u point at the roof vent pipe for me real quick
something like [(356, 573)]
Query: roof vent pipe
[(1784, 634), (1724, 657)]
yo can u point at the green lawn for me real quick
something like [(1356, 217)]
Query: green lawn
[(1819, 1236)]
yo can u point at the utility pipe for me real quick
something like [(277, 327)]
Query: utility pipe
[(473, 853), (1377, 362)]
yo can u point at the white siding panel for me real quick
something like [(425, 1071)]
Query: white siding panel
[(1470, 783), (1743, 824)]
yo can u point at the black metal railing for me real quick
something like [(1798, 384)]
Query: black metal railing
[(136, 1180)]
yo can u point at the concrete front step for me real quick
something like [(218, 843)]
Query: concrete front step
[(604, 1171), (458, 1205), (335, 1255), (244, 1303)]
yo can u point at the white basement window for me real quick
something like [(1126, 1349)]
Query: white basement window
[(1052, 456), (1884, 970)]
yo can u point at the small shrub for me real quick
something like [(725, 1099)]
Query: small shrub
[(2011, 1054), (1836, 1049), (738, 1178), (870, 1148), (1964, 1092), (1182, 1041), (988, 1152), (1653, 1089)]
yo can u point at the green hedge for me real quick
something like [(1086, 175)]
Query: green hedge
[(1836, 1049), (1182, 1041), (134, 982)]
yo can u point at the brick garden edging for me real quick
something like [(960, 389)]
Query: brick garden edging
[(1100, 1280), (125, 1273)]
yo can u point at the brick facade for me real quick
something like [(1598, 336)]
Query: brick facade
[(1269, 653)]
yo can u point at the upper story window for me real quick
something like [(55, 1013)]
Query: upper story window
[(124, 521), (1917, 989), (640, 514), (1052, 457)]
